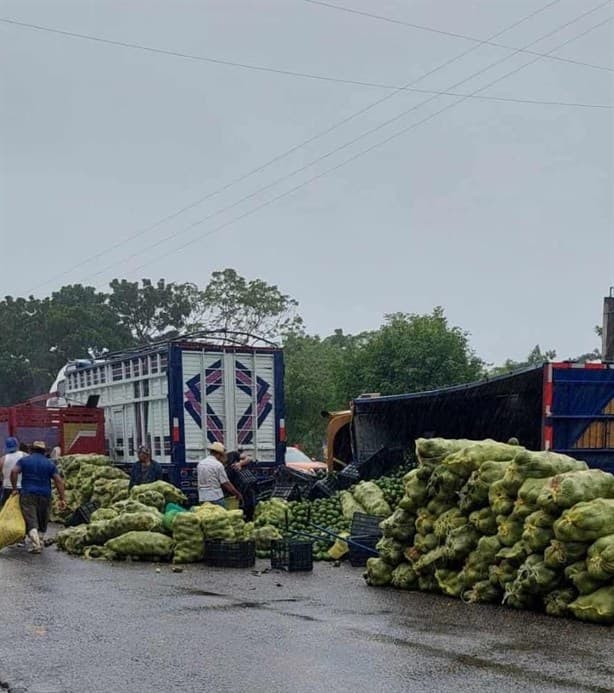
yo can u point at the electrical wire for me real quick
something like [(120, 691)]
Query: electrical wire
[(422, 27), (354, 157), (297, 147)]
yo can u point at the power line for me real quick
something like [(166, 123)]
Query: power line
[(190, 56), (360, 153), (421, 27), (327, 78), (283, 71), (301, 145)]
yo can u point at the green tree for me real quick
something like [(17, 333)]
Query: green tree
[(40, 336), (310, 386), (410, 353), (231, 302), (151, 310), (535, 358)]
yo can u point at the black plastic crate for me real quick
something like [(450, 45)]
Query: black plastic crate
[(363, 524), (82, 514), (244, 479), (349, 476), (264, 489), (358, 555), (293, 555), (304, 480), (288, 492), (325, 488), (230, 554)]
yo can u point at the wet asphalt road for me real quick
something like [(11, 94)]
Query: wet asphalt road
[(72, 626)]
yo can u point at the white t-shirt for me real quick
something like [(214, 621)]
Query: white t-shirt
[(211, 475), (10, 460)]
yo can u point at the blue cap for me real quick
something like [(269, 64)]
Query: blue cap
[(11, 445)]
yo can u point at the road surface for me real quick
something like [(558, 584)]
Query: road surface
[(76, 626)]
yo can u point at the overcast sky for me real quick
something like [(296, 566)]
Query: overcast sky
[(499, 211)]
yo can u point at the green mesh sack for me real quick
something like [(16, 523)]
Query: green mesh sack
[(263, 536), (72, 540), (100, 532), (438, 506), (404, 577), (444, 484), (460, 542), (189, 538), (565, 490), (531, 488), (142, 545), (400, 526), (484, 521), (428, 583), (99, 553), (600, 560), (349, 505), (502, 573), (428, 448), (449, 582), (415, 491), (150, 497), (390, 550), (597, 607), (378, 573), (448, 521), (103, 514), (580, 578), (515, 554), (470, 458), (483, 592), (474, 494), (509, 530), (559, 554), (586, 521), (535, 577), (425, 521), (170, 493), (538, 465), (556, 603), (372, 498), (499, 499), (425, 542)]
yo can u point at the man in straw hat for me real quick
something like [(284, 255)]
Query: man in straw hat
[(37, 472), (212, 477)]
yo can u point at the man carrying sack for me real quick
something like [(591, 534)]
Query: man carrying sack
[(37, 472)]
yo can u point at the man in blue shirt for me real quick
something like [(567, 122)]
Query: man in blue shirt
[(37, 473)]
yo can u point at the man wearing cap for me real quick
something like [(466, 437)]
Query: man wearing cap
[(12, 455), (37, 473), (145, 470), (212, 477)]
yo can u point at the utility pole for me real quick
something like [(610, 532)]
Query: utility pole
[(607, 337)]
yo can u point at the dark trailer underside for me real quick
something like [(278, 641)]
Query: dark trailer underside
[(567, 407), (500, 408)]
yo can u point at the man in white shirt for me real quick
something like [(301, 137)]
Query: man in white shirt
[(12, 455), (212, 477)]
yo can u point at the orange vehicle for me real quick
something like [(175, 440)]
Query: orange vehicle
[(298, 461)]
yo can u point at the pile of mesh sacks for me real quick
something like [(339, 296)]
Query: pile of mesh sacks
[(491, 522), (88, 478), (149, 522)]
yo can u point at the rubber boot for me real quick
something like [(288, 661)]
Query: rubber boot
[(36, 542)]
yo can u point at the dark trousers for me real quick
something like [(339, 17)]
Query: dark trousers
[(6, 494), (35, 511), (249, 502)]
